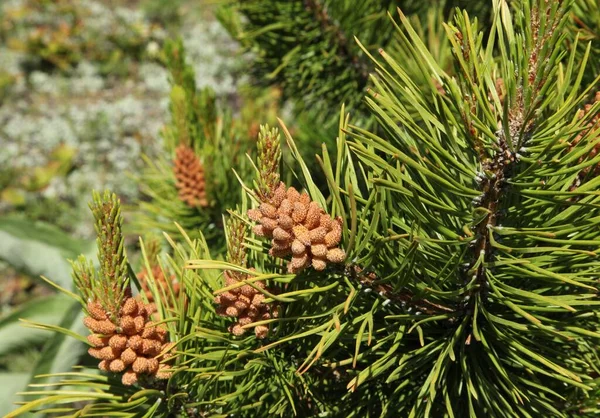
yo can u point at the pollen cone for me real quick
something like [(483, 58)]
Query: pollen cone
[(189, 173)]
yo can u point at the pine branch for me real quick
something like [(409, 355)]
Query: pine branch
[(493, 186), (362, 66), (497, 171), (307, 46), (405, 297), (110, 286)]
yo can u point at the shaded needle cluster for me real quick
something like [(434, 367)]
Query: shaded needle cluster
[(161, 283), (593, 123)]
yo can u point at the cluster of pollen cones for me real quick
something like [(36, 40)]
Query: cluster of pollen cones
[(161, 282), (134, 346), (298, 227), (189, 173), (246, 304)]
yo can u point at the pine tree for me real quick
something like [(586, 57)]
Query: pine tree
[(445, 267), (307, 48)]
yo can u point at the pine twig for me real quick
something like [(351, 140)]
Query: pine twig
[(405, 297)]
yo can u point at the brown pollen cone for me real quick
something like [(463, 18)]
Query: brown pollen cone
[(132, 346), (299, 227), (189, 173), (594, 123), (244, 303)]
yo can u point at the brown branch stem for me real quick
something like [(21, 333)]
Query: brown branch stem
[(405, 296)]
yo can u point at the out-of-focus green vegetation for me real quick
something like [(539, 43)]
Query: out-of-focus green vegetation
[(61, 34), (84, 95)]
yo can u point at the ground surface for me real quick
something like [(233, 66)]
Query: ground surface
[(83, 95)]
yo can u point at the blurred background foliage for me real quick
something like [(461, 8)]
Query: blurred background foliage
[(84, 99)]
